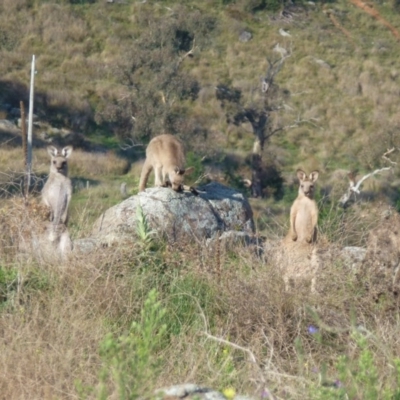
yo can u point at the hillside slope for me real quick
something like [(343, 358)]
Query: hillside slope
[(111, 70)]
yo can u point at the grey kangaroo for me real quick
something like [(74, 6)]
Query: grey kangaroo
[(57, 191)]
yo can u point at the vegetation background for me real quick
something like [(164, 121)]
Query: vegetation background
[(110, 76)]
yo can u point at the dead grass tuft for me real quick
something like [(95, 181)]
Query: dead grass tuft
[(225, 308)]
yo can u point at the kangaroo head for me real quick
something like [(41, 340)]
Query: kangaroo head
[(58, 163), (176, 177), (307, 182)]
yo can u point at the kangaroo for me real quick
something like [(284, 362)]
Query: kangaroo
[(57, 191), (165, 155), (56, 195), (304, 211)]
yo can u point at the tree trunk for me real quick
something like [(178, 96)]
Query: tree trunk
[(256, 159), (256, 190)]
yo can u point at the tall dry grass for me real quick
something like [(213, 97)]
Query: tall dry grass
[(92, 164), (229, 323)]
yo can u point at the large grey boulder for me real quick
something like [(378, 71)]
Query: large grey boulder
[(179, 216)]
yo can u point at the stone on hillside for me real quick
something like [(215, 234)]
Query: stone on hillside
[(86, 245), (353, 256), (233, 238), (191, 391), (179, 216), (245, 36)]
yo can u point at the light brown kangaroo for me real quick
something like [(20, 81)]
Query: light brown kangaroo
[(165, 155), (57, 192), (304, 211)]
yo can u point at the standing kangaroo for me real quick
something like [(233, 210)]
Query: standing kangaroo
[(304, 211), (165, 155), (57, 191)]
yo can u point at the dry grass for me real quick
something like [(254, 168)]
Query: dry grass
[(12, 162), (226, 309), (97, 164), (59, 325), (230, 322)]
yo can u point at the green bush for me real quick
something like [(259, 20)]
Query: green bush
[(356, 377), (131, 360), (8, 279)]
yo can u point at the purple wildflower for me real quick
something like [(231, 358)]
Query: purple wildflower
[(338, 384), (313, 330)]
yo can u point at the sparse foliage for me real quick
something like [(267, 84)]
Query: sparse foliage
[(131, 360), (257, 112), (152, 82), (145, 234)]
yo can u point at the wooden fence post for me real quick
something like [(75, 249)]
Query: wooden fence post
[(24, 149)]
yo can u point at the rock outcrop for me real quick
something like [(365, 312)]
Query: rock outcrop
[(179, 216)]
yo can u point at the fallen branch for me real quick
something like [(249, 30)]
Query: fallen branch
[(355, 187), (234, 345), (374, 13), (188, 54), (340, 27)]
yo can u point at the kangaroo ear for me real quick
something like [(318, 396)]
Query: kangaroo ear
[(53, 152), (301, 174), (179, 171), (314, 176), (189, 170), (67, 151)]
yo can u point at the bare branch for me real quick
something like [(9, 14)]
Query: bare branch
[(295, 125), (354, 187), (188, 54), (234, 345), (386, 158), (132, 144), (273, 68)]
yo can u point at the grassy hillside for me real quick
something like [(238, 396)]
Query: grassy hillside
[(118, 323), (96, 61)]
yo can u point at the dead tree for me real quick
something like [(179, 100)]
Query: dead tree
[(258, 114), (354, 188)]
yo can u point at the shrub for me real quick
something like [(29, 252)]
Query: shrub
[(131, 360)]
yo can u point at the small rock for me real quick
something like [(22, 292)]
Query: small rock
[(245, 36)]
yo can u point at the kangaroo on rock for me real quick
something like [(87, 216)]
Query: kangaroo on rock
[(304, 211), (166, 156)]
